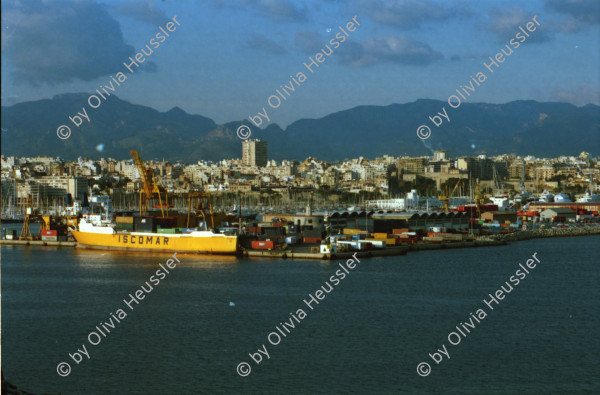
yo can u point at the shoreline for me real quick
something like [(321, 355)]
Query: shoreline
[(486, 241), (552, 232)]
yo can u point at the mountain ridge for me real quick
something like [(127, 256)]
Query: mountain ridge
[(545, 129)]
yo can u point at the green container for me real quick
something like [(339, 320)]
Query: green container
[(167, 230), (128, 227)]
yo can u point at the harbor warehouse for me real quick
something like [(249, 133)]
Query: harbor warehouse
[(558, 212), (501, 216)]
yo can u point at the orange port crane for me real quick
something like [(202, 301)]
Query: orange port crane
[(446, 197), (150, 187), (205, 202)]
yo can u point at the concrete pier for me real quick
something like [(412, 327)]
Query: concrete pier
[(39, 243)]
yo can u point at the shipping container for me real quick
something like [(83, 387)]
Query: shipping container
[(49, 238), (446, 236), (49, 233), (348, 231), (312, 233), (124, 226), (166, 222), (311, 240), (124, 220), (274, 231), (388, 241), (144, 224), (406, 240), (400, 231), (263, 244), (290, 240), (376, 243), (363, 245), (380, 235), (10, 234), (340, 237), (166, 230)]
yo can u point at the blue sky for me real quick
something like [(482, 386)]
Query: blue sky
[(227, 57)]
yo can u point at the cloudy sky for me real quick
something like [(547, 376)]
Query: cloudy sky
[(228, 56)]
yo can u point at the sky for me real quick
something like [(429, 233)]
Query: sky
[(225, 59)]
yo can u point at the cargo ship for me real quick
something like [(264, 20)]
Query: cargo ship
[(146, 234)]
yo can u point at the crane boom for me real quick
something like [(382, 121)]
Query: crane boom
[(147, 184), (446, 197)]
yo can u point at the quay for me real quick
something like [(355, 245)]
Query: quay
[(299, 254), (304, 253), (390, 251), (39, 243)]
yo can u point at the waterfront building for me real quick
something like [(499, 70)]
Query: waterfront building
[(501, 217), (558, 212), (541, 206), (386, 222)]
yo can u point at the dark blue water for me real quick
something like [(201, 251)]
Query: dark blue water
[(367, 336)]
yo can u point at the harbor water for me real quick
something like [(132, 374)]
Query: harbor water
[(192, 330)]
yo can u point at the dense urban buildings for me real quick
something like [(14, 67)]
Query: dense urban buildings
[(43, 181)]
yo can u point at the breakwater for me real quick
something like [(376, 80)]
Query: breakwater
[(551, 232)]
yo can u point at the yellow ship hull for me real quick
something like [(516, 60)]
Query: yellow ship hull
[(158, 242)]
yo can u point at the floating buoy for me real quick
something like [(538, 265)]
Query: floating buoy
[(231, 304)]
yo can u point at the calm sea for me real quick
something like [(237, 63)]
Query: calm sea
[(367, 336)]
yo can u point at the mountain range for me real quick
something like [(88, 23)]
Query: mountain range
[(546, 129)]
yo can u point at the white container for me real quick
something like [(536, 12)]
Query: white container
[(377, 243)]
